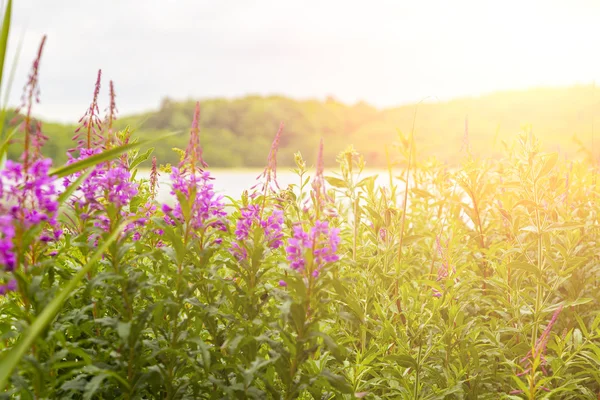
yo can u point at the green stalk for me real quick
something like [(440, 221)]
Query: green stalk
[(538, 296)]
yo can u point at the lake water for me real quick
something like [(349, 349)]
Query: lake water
[(232, 182)]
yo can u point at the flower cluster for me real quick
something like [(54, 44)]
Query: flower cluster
[(32, 129), (7, 233), (320, 244), (268, 178), (206, 207), (107, 185), (89, 133), (107, 182), (444, 269), (28, 198), (272, 228), (148, 210), (539, 351), (192, 158)]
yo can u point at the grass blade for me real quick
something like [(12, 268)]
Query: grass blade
[(104, 156), (4, 36)]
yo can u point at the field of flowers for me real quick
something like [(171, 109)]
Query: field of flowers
[(472, 282)]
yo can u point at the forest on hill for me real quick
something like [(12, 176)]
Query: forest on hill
[(238, 132)]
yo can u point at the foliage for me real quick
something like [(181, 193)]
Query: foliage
[(476, 282), (231, 127)]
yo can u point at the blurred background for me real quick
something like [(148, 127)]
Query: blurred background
[(351, 72)]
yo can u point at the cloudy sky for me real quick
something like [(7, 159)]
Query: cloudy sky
[(384, 52)]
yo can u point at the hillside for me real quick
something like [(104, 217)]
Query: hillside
[(238, 132)]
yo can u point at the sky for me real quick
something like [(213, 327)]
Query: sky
[(386, 53)]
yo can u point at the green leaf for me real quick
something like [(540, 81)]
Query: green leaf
[(93, 385), (330, 344), (124, 329), (524, 266), (422, 193), (368, 181), (93, 160), (298, 316), (12, 358), (141, 158), (64, 196), (529, 228), (526, 203), (104, 156), (4, 38), (338, 382), (6, 142), (336, 182), (565, 226), (549, 163), (403, 360)]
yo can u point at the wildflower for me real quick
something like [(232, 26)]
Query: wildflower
[(192, 186), (539, 349), (148, 210), (29, 196), (10, 286), (272, 228), (91, 125), (193, 152), (206, 208), (318, 183), (444, 269), (117, 185), (153, 179), (34, 138), (107, 183), (111, 114), (8, 258), (270, 173), (320, 245), (322, 202), (542, 342)]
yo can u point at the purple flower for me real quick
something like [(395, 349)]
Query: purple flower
[(322, 241), (27, 199), (244, 223), (30, 196), (108, 185), (10, 286), (539, 350), (7, 233), (444, 270), (206, 208), (269, 175), (250, 217), (89, 133), (118, 187), (273, 227)]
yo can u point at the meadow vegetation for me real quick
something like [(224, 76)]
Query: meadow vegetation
[(478, 281)]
